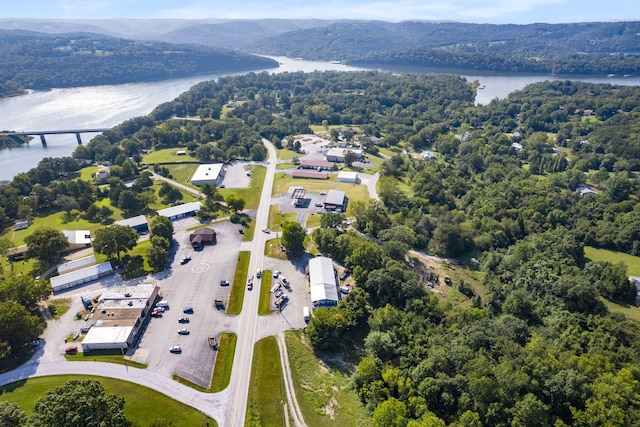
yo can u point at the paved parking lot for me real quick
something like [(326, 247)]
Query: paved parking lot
[(195, 284), (236, 175)]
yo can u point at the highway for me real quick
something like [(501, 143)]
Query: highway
[(241, 374)]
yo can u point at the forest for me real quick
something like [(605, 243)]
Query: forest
[(30, 60), (531, 340)]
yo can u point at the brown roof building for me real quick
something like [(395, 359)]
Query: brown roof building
[(203, 236)]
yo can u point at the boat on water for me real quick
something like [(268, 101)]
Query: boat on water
[(336, 62)]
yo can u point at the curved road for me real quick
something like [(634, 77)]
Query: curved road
[(227, 407)]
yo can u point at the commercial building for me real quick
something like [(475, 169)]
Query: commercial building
[(138, 223), (78, 272), (318, 165), (180, 211), (335, 199), (78, 238), (351, 177), (208, 174), (119, 317), (203, 236), (309, 174), (337, 154), (322, 282)]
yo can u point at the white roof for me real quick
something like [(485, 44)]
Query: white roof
[(78, 237), (107, 335), (348, 175), (322, 280), (180, 209), (76, 264), (134, 221), (84, 274), (208, 172)]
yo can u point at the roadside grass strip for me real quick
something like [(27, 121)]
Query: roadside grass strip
[(143, 406), (239, 283), (265, 295), (224, 362), (267, 396), (323, 392)]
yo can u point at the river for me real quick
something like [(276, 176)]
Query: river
[(106, 106)]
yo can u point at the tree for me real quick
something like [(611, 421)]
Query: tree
[(234, 202), (17, 327), (349, 158), (162, 226), (112, 240), (390, 413), (66, 203), (11, 415), (79, 403), (157, 257), (333, 220), (24, 290), (45, 244), (293, 235)]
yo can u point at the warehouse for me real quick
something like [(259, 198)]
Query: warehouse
[(351, 177), (78, 272), (208, 174), (322, 282), (138, 223)]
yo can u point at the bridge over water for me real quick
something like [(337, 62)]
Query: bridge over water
[(42, 133)]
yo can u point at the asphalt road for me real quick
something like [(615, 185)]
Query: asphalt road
[(239, 387)]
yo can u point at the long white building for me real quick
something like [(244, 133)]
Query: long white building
[(322, 281)]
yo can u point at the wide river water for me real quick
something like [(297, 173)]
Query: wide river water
[(106, 106)]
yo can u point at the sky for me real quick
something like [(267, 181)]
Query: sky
[(474, 11)]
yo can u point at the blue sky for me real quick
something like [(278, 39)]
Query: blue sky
[(478, 11)]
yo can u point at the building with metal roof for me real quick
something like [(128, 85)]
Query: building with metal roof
[(344, 176), (74, 276), (322, 282), (180, 211), (335, 199), (138, 223)]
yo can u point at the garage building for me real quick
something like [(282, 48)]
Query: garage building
[(335, 199), (322, 282), (78, 272), (351, 177), (208, 174), (180, 211), (138, 223)]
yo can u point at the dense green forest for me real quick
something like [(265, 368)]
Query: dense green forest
[(31, 60), (593, 48), (530, 342)]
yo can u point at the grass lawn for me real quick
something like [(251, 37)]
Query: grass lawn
[(182, 173), (276, 218), (168, 155), (105, 357), (323, 392), (313, 220), (267, 396), (286, 154), (239, 283), (272, 250), (58, 307), (187, 197), (224, 362), (252, 194), (632, 262), (249, 231), (286, 166), (143, 406), (630, 311), (88, 173), (265, 294)]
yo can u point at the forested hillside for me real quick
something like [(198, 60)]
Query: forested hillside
[(530, 332), (43, 61)]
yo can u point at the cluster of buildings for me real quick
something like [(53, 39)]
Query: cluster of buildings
[(119, 317)]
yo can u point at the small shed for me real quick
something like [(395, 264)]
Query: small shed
[(203, 236)]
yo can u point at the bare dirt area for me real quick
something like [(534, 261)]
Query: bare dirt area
[(434, 271)]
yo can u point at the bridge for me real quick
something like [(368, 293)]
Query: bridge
[(42, 133)]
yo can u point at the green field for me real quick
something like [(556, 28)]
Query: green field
[(143, 406), (313, 220), (632, 262), (323, 392), (267, 396), (275, 220), (239, 283), (286, 154), (168, 155), (224, 362), (265, 294), (183, 173)]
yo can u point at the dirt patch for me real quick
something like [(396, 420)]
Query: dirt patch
[(331, 407)]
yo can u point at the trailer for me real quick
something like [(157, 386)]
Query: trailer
[(213, 342)]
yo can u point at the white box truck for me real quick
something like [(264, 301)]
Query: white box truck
[(305, 313)]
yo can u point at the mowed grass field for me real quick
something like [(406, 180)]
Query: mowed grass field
[(239, 285), (323, 392), (632, 262), (267, 396), (143, 406)]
